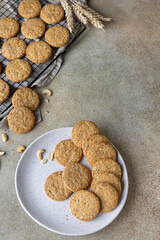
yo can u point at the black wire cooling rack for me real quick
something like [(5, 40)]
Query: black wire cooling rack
[(8, 8)]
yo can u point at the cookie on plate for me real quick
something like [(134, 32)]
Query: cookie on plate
[(96, 138), (33, 28), (14, 48), (9, 27), (108, 196), (18, 70), (82, 131), (25, 97), (99, 151), (52, 13), (76, 177), (108, 178), (21, 120), (4, 90), (29, 8), (107, 165), (38, 52), (57, 36), (55, 188), (84, 205), (66, 152)]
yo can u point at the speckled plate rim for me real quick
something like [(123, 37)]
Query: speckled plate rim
[(60, 232)]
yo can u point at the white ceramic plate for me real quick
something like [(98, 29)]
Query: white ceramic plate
[(55, 216)]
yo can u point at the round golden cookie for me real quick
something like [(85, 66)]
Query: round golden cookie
[(14, 48), (82, 131), (18, 70), (99, 151), (84, 205), (38, 52), (57, 36), (25, 97), (52, 13), (55, 188), (29, 8), (107, 165), (108, 196), (76, 177), (33, 28), (4, 91), (108, 178), (96, 138), (9, 27), (21, 120), (66, 152)]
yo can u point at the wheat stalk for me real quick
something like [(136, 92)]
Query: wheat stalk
[(79, 15), (93, 20), (95, 14), (69, 15)]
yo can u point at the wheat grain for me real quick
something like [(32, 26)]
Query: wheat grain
[(69, 15), (79, 15)]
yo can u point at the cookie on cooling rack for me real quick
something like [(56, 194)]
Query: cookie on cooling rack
[(38, 52), (21, 120), (25, 97), (57, 36), (84, 205), (55, 188), (14, 48), (9, 27), (33, 28), (18, 70), (52, 13), (29, 8), (4, 90)]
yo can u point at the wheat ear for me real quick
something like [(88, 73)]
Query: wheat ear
[(95, 14), (93, 20), (79, 15), (69, 15)]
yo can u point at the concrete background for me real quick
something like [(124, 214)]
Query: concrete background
[(112, 78)]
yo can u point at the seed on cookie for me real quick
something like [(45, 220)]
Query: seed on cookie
[(4, 90), (18, 70), (76, 177), (29, 8), (21, 120), (96, 138), (38, 52), (66, 152), (84, 205), (57, 36), (26, 97), (108, 178), (55, 188), (33, 28), (14, 48), (52, 13), (107, 165), (82, 131), (9, 27), (108, 196), (100, 150)]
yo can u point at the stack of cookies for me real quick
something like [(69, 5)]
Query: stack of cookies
[(14, 48), (106, 172), (21, 119)]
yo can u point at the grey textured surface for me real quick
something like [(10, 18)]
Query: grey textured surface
[(112, 78)]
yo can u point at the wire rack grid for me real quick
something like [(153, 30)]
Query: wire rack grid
[(9, 9)]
